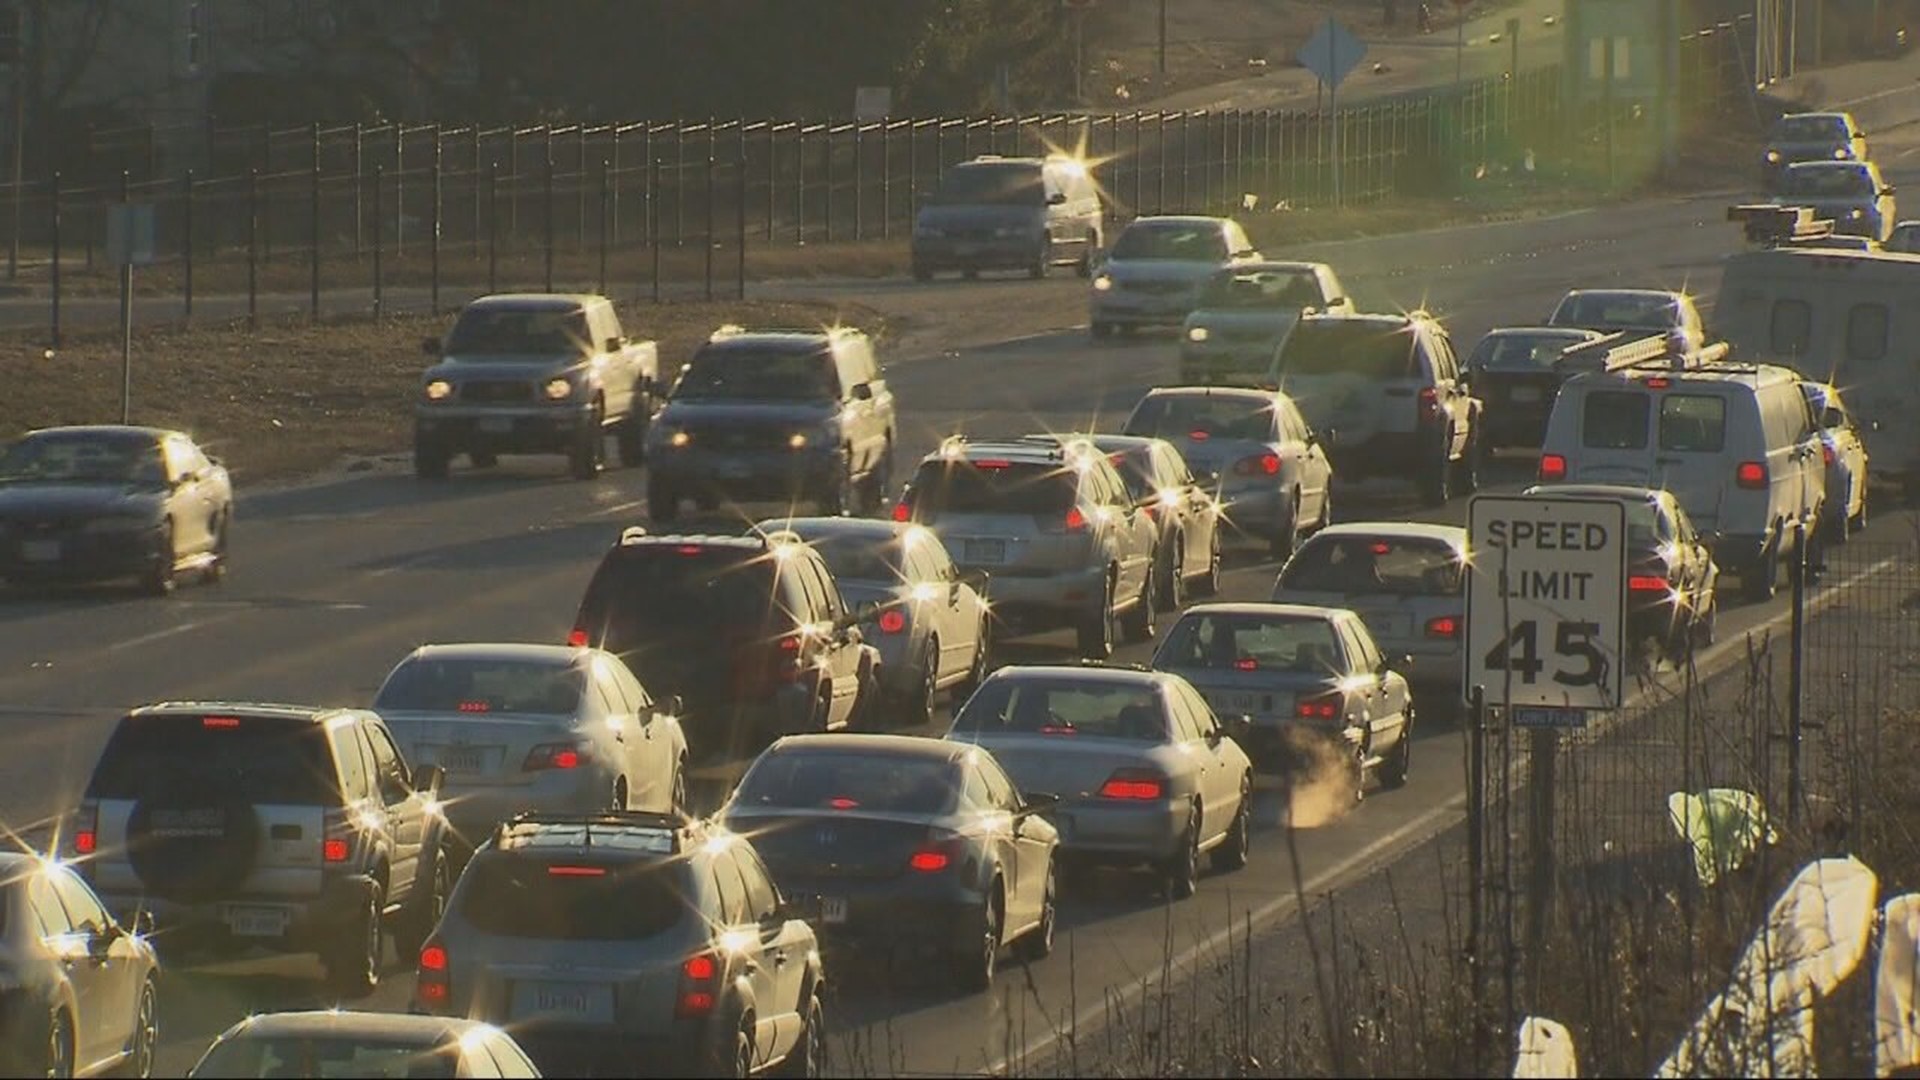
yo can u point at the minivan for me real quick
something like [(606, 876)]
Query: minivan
[(1001, 213)]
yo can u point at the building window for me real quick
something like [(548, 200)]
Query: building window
[(196, 37)]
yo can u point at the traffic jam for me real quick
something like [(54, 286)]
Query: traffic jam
[(519, 822)]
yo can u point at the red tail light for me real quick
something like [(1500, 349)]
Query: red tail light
[(1429, 403), (1553, 467), (699, 977), (892, 621), (85, 842), (475, 707), (902, 511), (577, 637), (1246, 663), (930, 860), (86, 826), (336, 838), (1258, 465), (1826, 454), (1199, 436), (1658, 382), (220, 722), (1076, 520), (576, 871), (555, 756), (1646, 583), (1443, 626), (1319, 707), (335, 849), (433, 984), (1135, 784), (993, 463), (1751, 474)]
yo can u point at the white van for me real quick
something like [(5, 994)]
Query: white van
[(1842, 317), (1737, 444)]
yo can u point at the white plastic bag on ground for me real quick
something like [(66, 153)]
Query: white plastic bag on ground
[(1896, 1015), (1546, 1051), (1722, 826)]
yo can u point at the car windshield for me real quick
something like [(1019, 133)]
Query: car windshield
[(1301, 644), (85, 459), (1203, 416), (1521, 351), (1828, 182), (1065, 707), (1374, 565), (247, 759), (662, 593), (1618, 311), (993, 487), (510, 333), (1181, 243), (480, 686), (759, 375), (1280, 289), (843, 780), (1358, 347), (990, 185), (331, 1056), (555, 898), (1808, 129)]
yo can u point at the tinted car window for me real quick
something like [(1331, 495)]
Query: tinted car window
[(1175, 416), (1061, 707), (660, 593), (505, 332), (1614, 420), (1374, 565), (859, 558), (1520, 351), (822, 779), (85, 458), (1252, 643), (482, 686), (990, 185), (519, 897), (1337, 346), (327, 1057), (760, 374), (1136, 472), (1181, 243), (1828, 181), (983, 488), (248, 759), (1696, 422), (83, 908), (1617, 311)]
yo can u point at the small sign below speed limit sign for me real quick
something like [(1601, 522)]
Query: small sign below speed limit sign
[(1546, 605)]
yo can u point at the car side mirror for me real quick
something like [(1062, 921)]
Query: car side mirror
[(1206, 478), (1888, 190), (428, 777), (143, 923), (185, 478), (676, 705), (430, 346), (1833, 418), (615, 344), (1240, 727), (1335, 302), (1058, 198), (1313, 438), (1034, 802), (101, 942), (975, 578), (862, 392)]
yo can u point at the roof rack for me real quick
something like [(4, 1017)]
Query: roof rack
[(670, 824), (1625, 349), (1772, 225)]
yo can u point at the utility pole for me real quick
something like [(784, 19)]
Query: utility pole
[(12, 51), (1163, 37)]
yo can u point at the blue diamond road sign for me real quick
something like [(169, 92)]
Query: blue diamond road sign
[(1332, 53)]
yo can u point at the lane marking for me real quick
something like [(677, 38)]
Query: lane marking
[(150, 638)]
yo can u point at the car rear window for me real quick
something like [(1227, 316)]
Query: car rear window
[(986, 487), (426, 684), (1065, 708), (1520, 351), (838, 780), (507, 332), (1693, 422), (1374, 565), (1262, 289), (1617, 311), (1252, 643), (1614, 420), (1202, 416), (256, 760), (647, 594), (560, 899), (1365, 349), (346, 1056)]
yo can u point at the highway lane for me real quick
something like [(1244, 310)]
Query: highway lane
[(333, 583)]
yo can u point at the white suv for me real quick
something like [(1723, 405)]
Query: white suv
[(1052, 524)]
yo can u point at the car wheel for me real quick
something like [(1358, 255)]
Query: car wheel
[(589, 449), (424, 911), (430, 458), (1042, 261), (1326, 508), (630, 438), (663, 503), (1209, 583), (677, 802), (159, 579), (1436, 484), (1171, 581), (920, 709), (59, 1051), (1393, 771), (1101, 330), (144, 1039), (1037, 943), (808, 1058), (216, 571), (1281, 543), (1760, 578), (1357, 771), (1083, 267), (838, 501), (1181, 871), (1095, 632), (483, 459), (1468, 480), (973, 963), (1233, 851), (738, 1059), (977, 672), (353, 962), (1706, 629), (1137, 623)]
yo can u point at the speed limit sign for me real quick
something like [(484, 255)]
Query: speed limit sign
[(1546, 605)]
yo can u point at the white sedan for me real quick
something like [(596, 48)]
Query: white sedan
[(1144, 771), (1846, 455), (534, 728)]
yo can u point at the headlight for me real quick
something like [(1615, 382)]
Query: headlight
[(1856, 213), (559, 389), (797, 440), (1842, 154), (679, 438), (439, 390), (1197, 333), (1102, 283), (1773, 157), (118, 525)]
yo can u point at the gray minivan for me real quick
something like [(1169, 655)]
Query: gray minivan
[(1001, 213)]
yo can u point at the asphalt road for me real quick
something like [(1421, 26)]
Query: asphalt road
[(333, 583)]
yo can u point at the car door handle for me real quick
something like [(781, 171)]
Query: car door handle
[(780, 959)]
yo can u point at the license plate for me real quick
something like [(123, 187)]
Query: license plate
[(40, 550), (462, 759), (833, 910), (581, 1003), (1525, 395), (986, 550), (496, 425), (257, 921), (734, 470), (1388, 624), (1236, 703)]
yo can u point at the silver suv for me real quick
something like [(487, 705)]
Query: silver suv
[(1053, 525), (286, 827), (611, 941)]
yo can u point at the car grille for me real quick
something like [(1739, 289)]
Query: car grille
[(742, 438), (1157, 288), (490, 391), (1247, 333)]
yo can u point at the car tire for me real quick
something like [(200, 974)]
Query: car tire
[(59, 1051), (1233, 852), (678, 801), (1436, 483), (424, 908), (808, 1058), (663, 503), (1095, 632), (735, 1059), (1281, 542), (839, 500), (430, 458), (974, 962), (1037, 943), (588, 453), (1208, 583), (1042, 262), (352, 960), (159, 578), (1137, 623), (1467, 478), (216, 571), (1326, 509), (1170, 580), (1083, 266), (1707, 630), (630, 437), (1392, 772), (144, 1040), (920, 707), (1181, 870), (977, 673), (1100, 330), (1760, 578)]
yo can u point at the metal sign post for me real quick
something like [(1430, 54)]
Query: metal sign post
[(129, 244), (1331, 54)]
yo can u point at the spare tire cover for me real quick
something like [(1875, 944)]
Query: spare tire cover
[(187, 843)]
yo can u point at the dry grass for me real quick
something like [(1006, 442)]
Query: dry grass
[(294, 399)]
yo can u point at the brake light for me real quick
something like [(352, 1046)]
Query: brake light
[(1429, 403), (902, 511), (1826, 454), (433, 958), (1381, 547), (1258, 465), (576, 871), (433, 983), (892, 621), (336, 838), (697, 978), (1646, 583), (1134, 784), (1443, 626), (577, 637), (85, 842), (86, 835), (689, 549), (841, 802), (929, 860), (1553, 467), (219, 722), (475, 707), (1198, 436), (555, 756), (1751, 474), (1246, 663), (1322, 707), (1658, 382), (1076, 520), (993, 463), (335, 849)]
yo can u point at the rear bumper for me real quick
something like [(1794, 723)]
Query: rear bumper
[(310, 920), (936, 914), (998, 253), (688, 1049), (546, 430), (1383, 454), (1032, 602), (1120, 831), (1260, 512)]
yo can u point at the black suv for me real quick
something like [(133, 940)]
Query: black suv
[(750, 631), (287, 827), (775, 414)]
